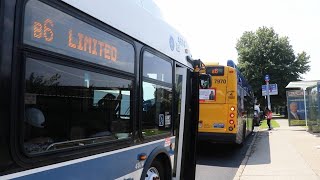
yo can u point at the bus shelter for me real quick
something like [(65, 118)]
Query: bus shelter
[(303, 104)]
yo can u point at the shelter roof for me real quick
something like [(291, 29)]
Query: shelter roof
[(301, 84)]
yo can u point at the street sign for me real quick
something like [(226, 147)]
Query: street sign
[(266, 78), (273, 89)]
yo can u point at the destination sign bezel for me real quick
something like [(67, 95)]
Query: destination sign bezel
[(51, 29), (215, 71)]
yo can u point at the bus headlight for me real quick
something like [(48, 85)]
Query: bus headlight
[(230, 128)]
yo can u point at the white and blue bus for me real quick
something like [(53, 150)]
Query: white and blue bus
[(94, 90)]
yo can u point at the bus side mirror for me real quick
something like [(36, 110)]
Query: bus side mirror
[(205, 81)]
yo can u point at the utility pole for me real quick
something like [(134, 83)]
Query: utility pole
[(267, 78)]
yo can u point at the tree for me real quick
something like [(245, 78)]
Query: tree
[(265, 52)]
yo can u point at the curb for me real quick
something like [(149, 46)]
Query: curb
[(246, 158)]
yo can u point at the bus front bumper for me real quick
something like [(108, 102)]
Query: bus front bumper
[(217, 137)]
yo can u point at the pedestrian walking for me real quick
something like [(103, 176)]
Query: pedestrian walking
[(269, 117)]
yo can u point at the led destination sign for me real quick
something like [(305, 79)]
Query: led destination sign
[(51, 29), (215, 71)]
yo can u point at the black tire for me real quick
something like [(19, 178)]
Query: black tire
[(243, 136), (256, 122), (158, 166), (244, 133), (252, 127)]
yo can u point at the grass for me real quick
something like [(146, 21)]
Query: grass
[(264, 124), (297, 122)]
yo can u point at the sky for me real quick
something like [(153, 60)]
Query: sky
[(212, 27)]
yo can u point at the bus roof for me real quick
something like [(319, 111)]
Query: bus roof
[(141, 20), (243, 80), (212, 63)]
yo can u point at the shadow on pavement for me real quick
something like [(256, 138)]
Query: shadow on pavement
[(261, 149), (216, 154), (221, 155), (315, 134), (220, 161)]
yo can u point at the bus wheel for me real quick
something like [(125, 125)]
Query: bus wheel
[(240, 145), (244, 133), (155, 171)]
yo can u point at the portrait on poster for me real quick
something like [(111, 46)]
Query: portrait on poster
[(296, 108)]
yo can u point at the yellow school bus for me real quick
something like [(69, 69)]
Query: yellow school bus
[(226, 105)]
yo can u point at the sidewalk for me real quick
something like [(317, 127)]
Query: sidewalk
[(283, 153)]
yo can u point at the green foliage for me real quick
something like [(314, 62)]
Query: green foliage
[(38, 84), (265, 52), (315, 128), (297, 122)]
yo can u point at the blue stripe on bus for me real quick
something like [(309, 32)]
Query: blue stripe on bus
[(106, 167)]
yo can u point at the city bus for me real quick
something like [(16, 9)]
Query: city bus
[(94, 90), (226, 105)]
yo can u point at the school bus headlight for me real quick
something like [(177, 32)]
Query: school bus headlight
[(232, 108), (231, 121), (232, 115), (230, 128)]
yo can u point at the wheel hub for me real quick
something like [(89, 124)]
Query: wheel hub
[(152, 174)]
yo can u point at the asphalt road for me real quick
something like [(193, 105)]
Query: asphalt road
[(220, 161)]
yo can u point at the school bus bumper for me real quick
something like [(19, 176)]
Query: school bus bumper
[(217, 137)]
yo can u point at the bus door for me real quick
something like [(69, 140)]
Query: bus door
[(186, 125)]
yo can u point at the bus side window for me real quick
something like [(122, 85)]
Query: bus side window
[(157, 95), (157, 109), (35, 137), (80, 107)]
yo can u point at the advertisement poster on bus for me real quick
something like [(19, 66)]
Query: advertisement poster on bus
[(207, 94), (296, 110)]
